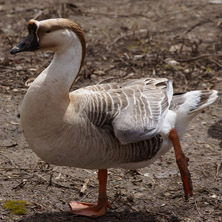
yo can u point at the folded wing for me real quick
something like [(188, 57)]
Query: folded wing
[(135, 110)]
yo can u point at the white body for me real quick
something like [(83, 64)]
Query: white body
[(58, 130)]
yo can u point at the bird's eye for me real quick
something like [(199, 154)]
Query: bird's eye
[(48, 31)]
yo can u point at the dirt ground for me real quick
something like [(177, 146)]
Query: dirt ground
[(177, 39)]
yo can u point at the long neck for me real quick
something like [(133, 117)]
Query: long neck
[(63, 69), (58, 77)]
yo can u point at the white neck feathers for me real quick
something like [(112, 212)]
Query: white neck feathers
[(58, 77)]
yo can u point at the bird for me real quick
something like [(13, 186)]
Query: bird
[(125, 125)]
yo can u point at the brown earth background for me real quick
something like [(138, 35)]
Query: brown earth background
[(180, 40)]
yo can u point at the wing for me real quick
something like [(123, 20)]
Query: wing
[(135, 109)]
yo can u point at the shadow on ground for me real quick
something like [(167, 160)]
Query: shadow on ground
[(109, 217), (215, 131)]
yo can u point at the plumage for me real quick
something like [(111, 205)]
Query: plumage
[(135, 110), (102, 126)]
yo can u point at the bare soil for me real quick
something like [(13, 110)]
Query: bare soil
[(126, 39)]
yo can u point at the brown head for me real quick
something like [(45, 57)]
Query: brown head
[(47, 35)]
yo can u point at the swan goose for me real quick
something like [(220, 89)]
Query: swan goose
[(103, 126)]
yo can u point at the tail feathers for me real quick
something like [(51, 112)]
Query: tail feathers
[(194, 101), (206, 98)]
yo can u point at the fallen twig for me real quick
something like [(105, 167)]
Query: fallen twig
[(84, 187), (20, 185), (115, 15), (12, 163), (55, 184), (125, 35), (218, 168), (195, 25), (132, 207), (198, 57), (10, 145), (8, 67), (216, 62), (116, 197)]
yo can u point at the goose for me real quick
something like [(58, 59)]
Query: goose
[(127, 125)]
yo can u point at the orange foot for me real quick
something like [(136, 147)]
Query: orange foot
[(90, 210)]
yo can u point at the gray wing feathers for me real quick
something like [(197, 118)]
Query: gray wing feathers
[(134, 109), (142, 120)]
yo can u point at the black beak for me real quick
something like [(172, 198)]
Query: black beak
[(30, 43)]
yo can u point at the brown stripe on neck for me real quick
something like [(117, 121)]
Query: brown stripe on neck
[(66, 23), (61, 23)]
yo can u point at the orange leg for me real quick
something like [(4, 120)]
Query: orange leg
[(94, 210), (182, 162)]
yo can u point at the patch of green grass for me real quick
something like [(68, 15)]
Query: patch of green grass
[(208, 69), (17, 207)]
